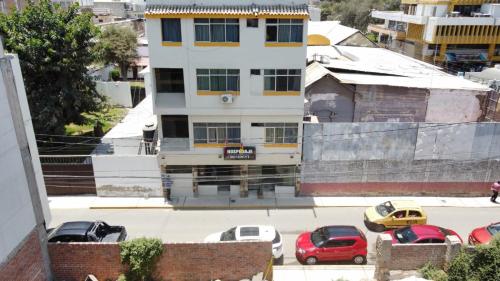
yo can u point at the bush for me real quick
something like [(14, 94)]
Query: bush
[(140, 255), (481, 265), (430, 272), (114, 74)]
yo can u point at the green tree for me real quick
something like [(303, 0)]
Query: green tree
[(118, 45), (54, 47), (141, 256)]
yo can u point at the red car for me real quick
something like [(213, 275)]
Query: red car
[(332, 243), (483, 235), (420, 234)]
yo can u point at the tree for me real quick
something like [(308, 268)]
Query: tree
[(140, 255), (118, 45), (54, 47)]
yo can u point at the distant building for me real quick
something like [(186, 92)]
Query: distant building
[(491, 78), (24, 210), (460, 35), (371, 84), (7, 6)]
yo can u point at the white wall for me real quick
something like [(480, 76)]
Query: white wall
[(118, 92), (446, 106), (492, 9), (132, 175), (17, 218), (427, 10)]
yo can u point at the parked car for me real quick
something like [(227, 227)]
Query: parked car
[(87, 231), (394, 214), (251, 233), (420, 234), (484, 234), (332, 243)]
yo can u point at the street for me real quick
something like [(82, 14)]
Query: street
[(194, 225)]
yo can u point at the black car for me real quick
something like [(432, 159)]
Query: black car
[(86, 231)]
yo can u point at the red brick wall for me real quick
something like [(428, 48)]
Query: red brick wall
[(26, 264), (410, 257), (396, 188), (190, 261)]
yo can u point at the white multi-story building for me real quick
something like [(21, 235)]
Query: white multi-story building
[(443, 31), (228, 90)]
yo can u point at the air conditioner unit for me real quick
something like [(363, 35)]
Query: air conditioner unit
[(226, 98)]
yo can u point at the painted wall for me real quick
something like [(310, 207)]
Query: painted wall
[(330, 101), (118, 92), (134, 175)]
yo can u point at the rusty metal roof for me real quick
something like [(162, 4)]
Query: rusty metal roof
[(248, 10)]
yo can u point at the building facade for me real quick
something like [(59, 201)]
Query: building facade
[(228, 91), (24, 208), (458, 34)]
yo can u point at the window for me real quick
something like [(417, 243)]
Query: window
[(282, 80), (218, 79), (281, 132), (399, 214), (175, 126), (169, 80), (216, 132), (254, 71), (171, 30), (284, 30), (414, 214), (339, 243), (217, 30), (252, 22)]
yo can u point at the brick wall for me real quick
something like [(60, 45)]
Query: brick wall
[(26, 264), (409, 257), (186, 261)]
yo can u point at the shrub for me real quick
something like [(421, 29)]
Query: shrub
[(481, 265), (114, 74), (430, 272), (140, 255)]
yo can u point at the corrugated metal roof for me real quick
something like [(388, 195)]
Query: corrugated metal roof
[(315, 72), (332, 30), (247, 10)]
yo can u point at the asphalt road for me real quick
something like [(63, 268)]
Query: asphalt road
[(195, 225)]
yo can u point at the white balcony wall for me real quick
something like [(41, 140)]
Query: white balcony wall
[(399, 16), (432, 10), (491, 9)]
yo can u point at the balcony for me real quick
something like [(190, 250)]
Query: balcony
[(379, 28), (399, 16), (174, 144)]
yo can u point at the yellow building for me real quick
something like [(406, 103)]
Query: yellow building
[(458, 34)]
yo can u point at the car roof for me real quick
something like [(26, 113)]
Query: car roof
[(71, 228), (255, 232), (405, 204), (427, 231), (336, 231)]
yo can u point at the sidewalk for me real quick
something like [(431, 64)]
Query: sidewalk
[(94, 202), (323, 273)]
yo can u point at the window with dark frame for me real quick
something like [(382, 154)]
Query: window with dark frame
[(217, 30), (282, 80), (284, 30), (171, 30), (255, 72), (169, 80), (253, 23), (175, 126), (217, 132), (218, 79)]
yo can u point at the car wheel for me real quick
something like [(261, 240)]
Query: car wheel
[(359, 259), (311, 260), (279, 261), (379, 228)]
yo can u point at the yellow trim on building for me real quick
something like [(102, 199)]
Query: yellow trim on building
[(284, 44), (317, 40), (216, 145), (171, 44), (217, 44), (217, 93), (281, 93), (281, 145), (222, 16)]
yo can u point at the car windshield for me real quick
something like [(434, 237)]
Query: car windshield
[(385, 208), (229, 235), (494, 229), (405, 235), (318, 237)]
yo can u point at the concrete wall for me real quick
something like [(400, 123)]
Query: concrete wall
[(453, 106), (186, 261), (117, 92), (400, 158), (330, 101), (134, 175)]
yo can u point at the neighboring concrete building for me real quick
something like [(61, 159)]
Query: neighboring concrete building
[(24, 210), (228, 92), (459, 34), (7, 6), (491, 78), (370, 84)]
